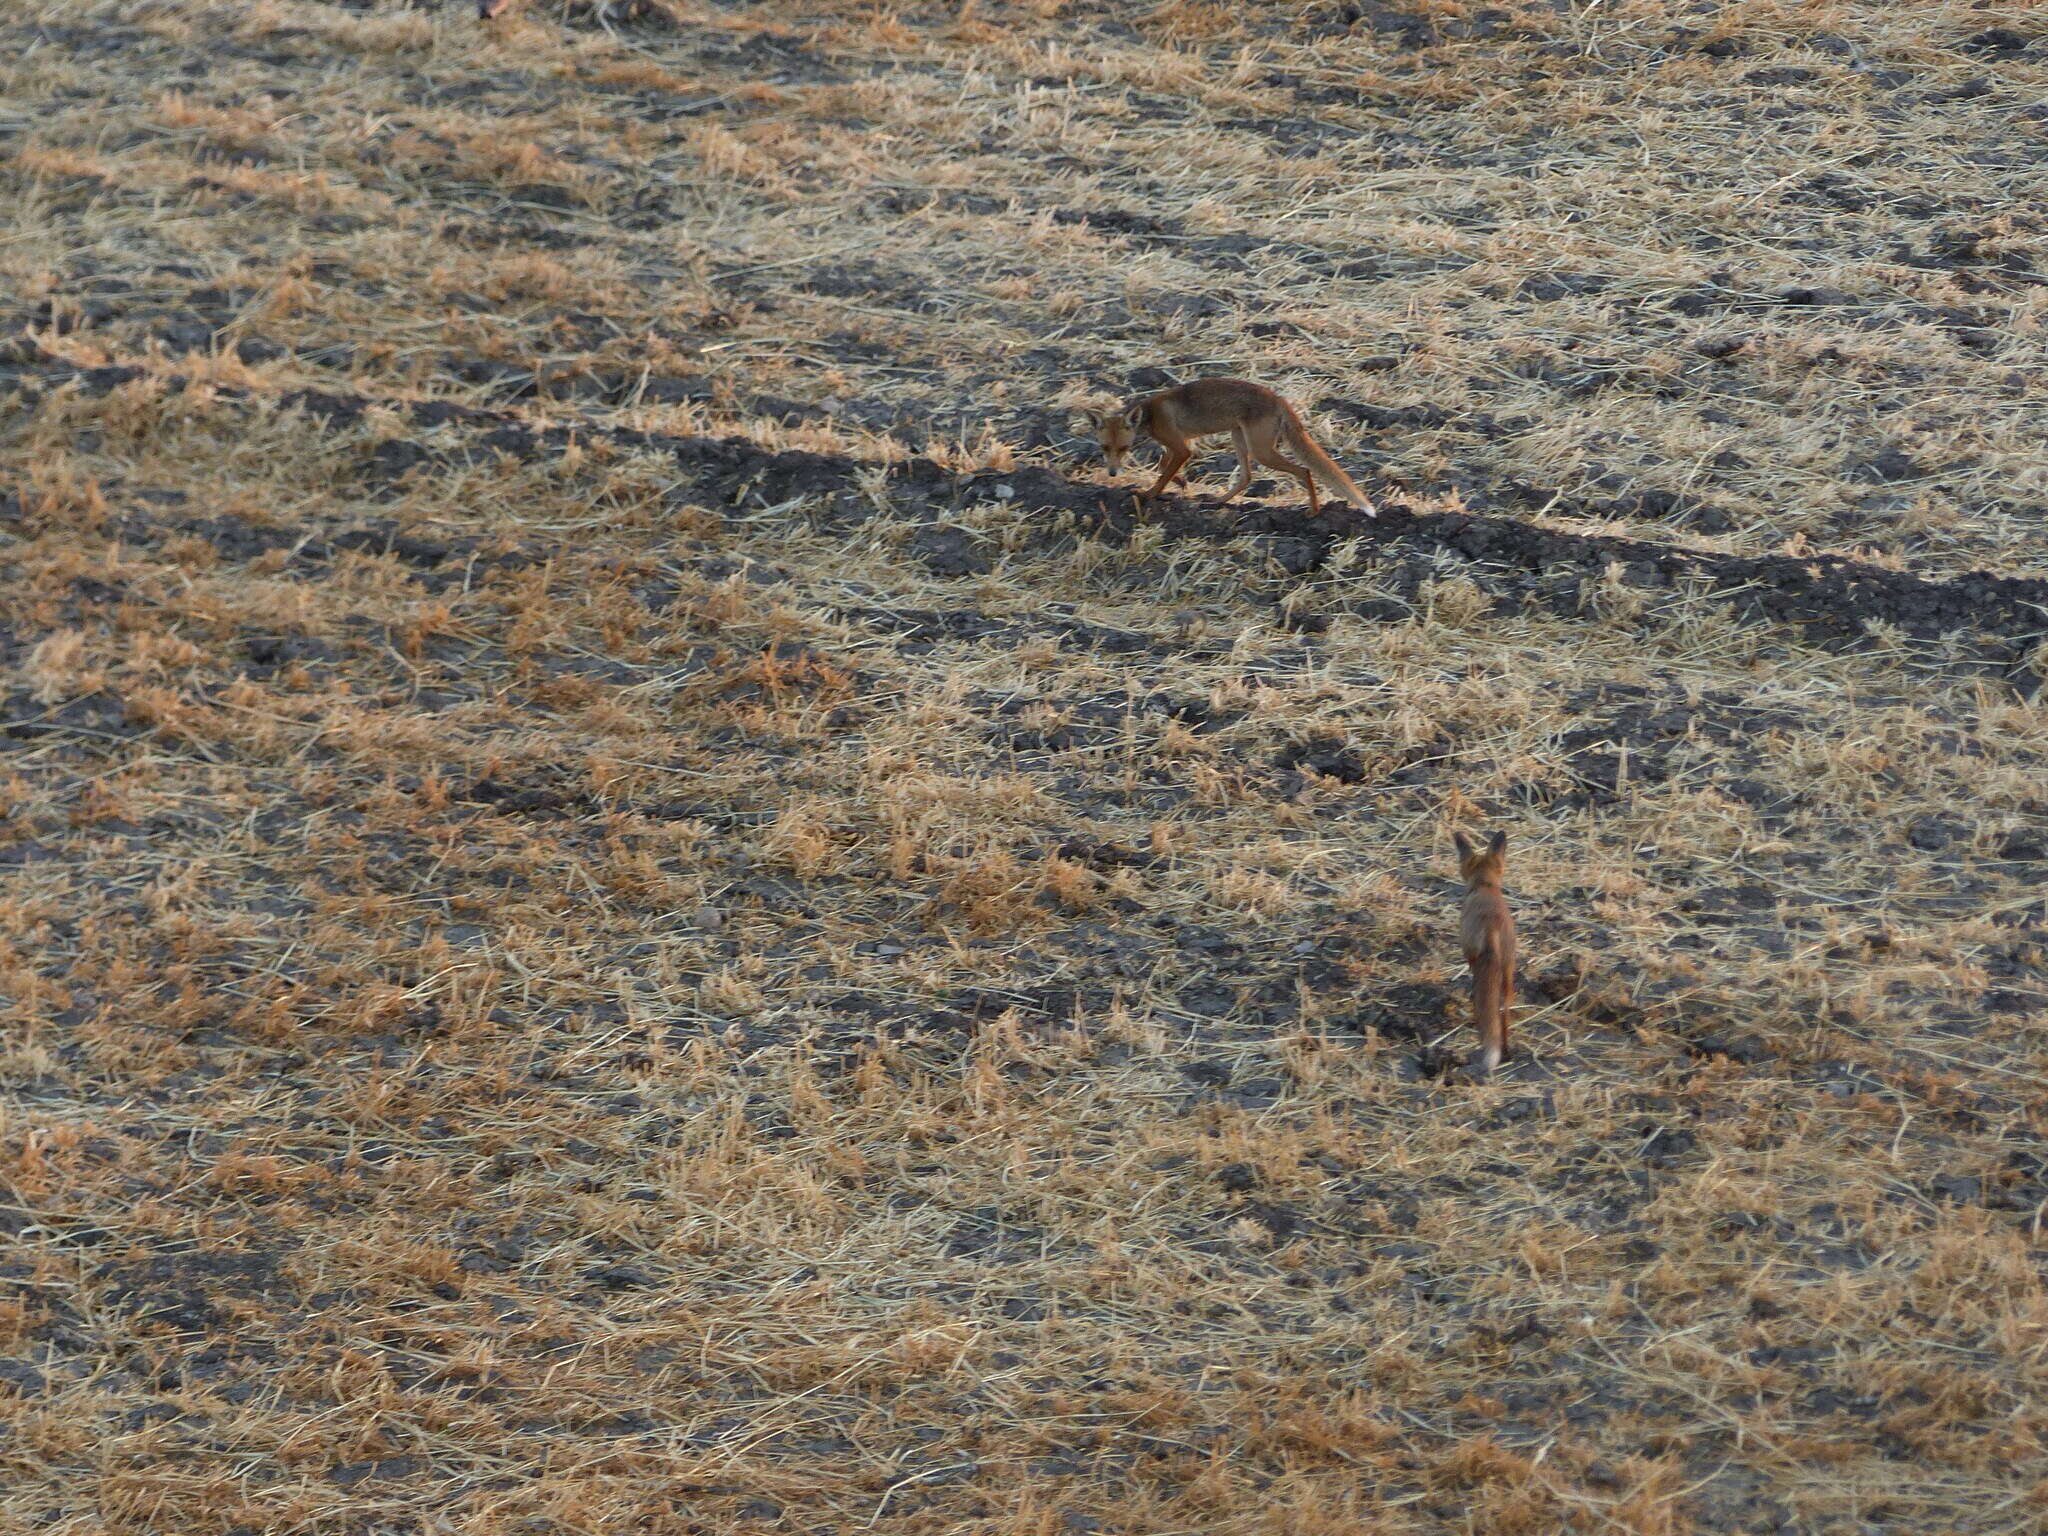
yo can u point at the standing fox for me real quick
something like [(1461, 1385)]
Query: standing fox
[(1486, 930), (1258, 418)]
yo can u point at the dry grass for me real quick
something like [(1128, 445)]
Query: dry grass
[(544, 998)]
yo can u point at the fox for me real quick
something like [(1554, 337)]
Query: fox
[(1486, 931), (1259, 419)]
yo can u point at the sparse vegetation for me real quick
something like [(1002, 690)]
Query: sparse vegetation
[(635, 902)]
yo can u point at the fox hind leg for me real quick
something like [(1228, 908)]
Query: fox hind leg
[(1266, 445)]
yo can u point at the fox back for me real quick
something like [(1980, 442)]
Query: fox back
[(1195, 409), (1216, 405), (1486, 933)]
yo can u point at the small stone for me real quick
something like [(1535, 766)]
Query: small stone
[(1958, 1189), (621, 1277), (1817, 298), (1207, 1074), (1888, 465), (1744, 1049), (1997, 40)]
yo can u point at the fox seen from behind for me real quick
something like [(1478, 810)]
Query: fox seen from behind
[(1259, 419), (1486, 932)]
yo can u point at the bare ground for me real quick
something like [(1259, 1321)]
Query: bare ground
[(637, 901)]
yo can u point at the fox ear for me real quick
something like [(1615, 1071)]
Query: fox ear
[(1498, 845), (1135, 414), (1092, 414), (1464, 848)]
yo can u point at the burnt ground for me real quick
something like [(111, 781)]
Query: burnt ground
[(638, 900)]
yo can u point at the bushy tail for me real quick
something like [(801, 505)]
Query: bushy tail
[(1324, 465), (1493, 990)]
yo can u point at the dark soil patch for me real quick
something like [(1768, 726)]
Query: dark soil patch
[(1831, 600)]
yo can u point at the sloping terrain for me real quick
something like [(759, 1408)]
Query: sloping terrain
[(638, 900)]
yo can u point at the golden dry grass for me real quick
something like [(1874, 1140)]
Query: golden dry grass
[(553, 990)]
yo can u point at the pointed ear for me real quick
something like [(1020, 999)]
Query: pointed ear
[(1464, 848), (1498, 845), (1135, 414)]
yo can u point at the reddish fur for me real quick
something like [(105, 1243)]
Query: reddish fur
[(1486, 931), (1259, 419)]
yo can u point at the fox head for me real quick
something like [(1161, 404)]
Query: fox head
[(1116, 430), (1488, 864)]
